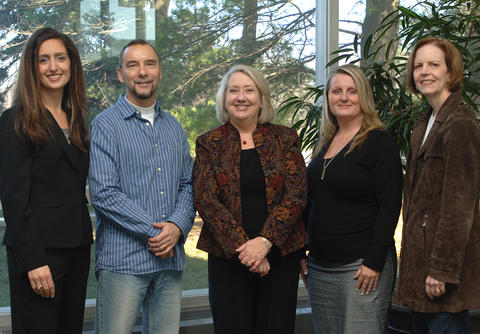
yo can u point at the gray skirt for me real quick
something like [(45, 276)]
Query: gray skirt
[(337, 308)]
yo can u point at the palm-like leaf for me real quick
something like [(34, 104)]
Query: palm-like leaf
[(455, 20)]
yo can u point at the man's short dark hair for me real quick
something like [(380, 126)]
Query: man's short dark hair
[(136, 42)]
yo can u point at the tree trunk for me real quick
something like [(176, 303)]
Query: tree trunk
[(161, 9), (72, 24), (106, 24), (248, 42), (375, 12), (140, 23), (161, 13)]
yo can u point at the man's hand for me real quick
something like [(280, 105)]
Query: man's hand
[(41, 281), (162, 245)]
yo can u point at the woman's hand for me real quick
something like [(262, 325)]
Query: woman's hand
[(367, 280), (41, 281), (252, 252), (304, 272), (434, 288), (263, 267)]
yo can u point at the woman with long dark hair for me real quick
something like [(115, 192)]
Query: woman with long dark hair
[(43, 168)]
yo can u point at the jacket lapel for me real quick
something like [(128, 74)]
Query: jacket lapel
[(73, 155), (417, 137), (447, 106)]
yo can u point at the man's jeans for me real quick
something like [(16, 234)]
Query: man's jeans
[(119, 297), (441, 323)]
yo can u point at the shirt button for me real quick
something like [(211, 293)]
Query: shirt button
[(147, 124), (163, 216), (161, 192), (159, 169), (156, 145), (138, 112)]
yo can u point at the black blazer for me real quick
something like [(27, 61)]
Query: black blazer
[(42, 194)]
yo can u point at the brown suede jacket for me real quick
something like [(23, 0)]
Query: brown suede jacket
[(441, 221), (216, 185)]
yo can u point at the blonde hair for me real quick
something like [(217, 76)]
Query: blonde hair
[(370, 119), (266, 113)]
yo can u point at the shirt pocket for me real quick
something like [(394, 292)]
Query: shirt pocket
[(434, 151)]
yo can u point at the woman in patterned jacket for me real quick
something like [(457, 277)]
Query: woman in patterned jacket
[(250, 190)]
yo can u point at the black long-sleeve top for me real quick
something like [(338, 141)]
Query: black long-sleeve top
[(254, 198), (354, 210)]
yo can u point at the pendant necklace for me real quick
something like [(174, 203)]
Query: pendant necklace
[(325, 165)]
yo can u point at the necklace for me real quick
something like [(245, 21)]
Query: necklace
[(325, 165)]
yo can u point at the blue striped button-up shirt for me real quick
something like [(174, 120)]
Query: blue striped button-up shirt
[(139, 174)]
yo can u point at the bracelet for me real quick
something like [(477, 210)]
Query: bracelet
[(267, 243)]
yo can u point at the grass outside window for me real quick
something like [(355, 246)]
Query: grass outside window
[(194, 276)]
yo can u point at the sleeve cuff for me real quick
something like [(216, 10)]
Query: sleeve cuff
[(184, 224), (29, 259), (442, 276), (376, 257)]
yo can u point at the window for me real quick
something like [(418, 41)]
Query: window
[(197, 41)]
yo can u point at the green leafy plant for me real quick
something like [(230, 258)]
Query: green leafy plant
[(455, 20)]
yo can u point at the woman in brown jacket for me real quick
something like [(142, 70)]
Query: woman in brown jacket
[(440, 259), (250, 190)]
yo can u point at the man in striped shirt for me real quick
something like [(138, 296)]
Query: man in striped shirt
[(140, 186)]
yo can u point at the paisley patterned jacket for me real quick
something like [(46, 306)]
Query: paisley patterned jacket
[(216, 184)]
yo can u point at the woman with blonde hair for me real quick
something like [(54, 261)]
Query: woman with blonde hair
[(249, 186), (354, 186)]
